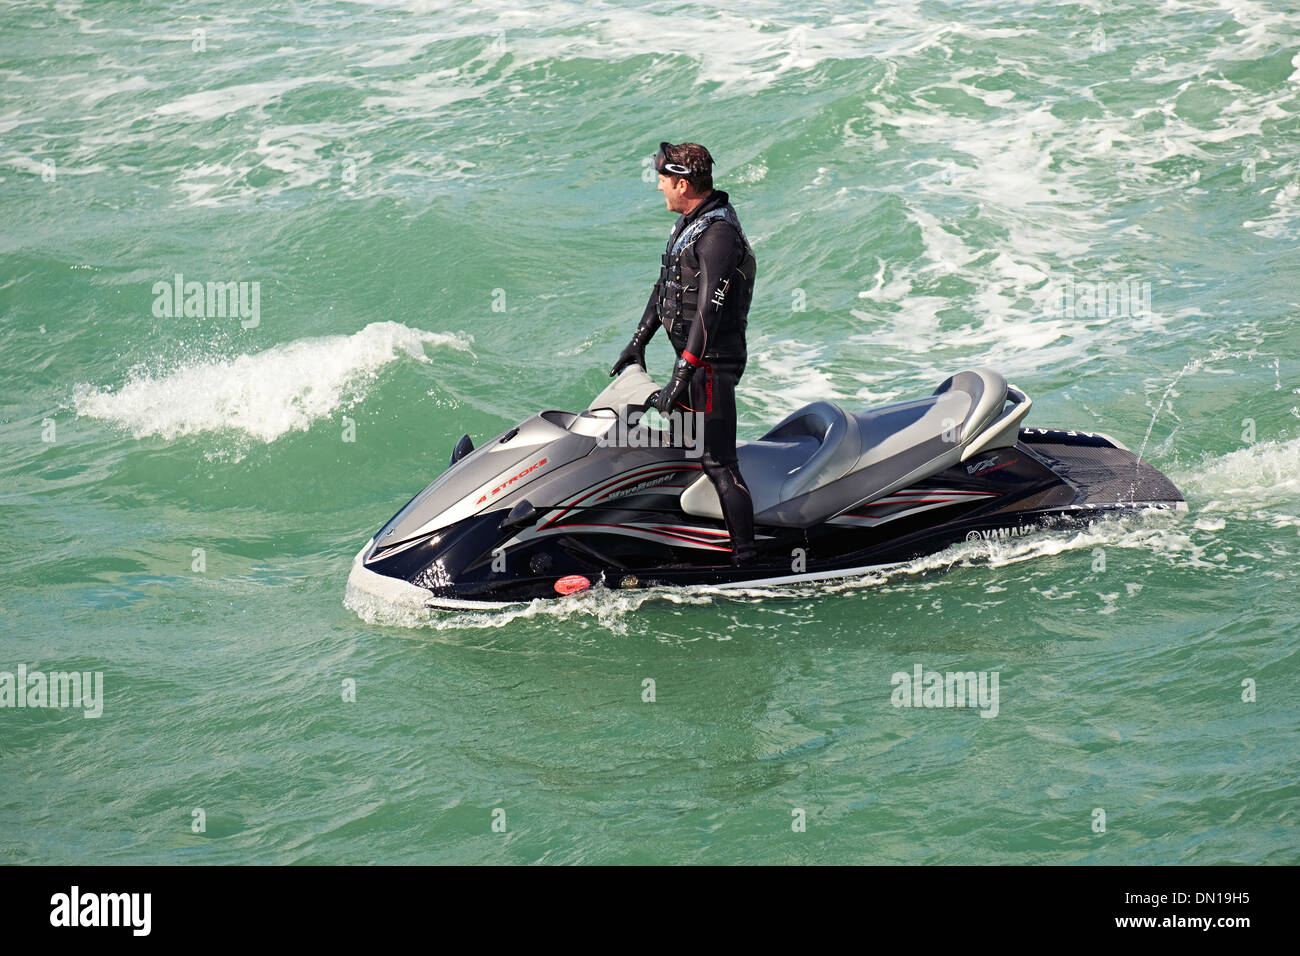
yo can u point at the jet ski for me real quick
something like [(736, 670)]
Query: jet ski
[(569, 501)]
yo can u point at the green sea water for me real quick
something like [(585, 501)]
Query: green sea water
[(448, 215)]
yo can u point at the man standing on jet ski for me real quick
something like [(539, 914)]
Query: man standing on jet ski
[(706, 281)]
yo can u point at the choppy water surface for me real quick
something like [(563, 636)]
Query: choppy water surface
[(446, 211)]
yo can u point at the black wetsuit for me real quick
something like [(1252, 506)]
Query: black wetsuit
[(702, 299)]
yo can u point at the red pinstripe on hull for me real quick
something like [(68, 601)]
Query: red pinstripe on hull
[(626, 479), (649, 530)]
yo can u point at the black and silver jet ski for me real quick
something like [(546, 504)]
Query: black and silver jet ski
[(567, 501)]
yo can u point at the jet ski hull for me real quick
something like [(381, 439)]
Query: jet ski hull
[(624, 527)]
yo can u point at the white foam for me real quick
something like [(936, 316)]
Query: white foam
[(266, 394), (16, 119), (400, 49), (103, 89), (1265, 473), (1050, 192), (295, 152), (421, 96), (210, 104), (203, 184), (791, 375), (611, 608), (1286, 210), (764, 42)]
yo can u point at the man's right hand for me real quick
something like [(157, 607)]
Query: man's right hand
[(633, 353)]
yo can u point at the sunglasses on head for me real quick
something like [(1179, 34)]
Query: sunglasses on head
[(663, 166)]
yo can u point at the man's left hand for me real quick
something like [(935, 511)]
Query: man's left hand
[(664, 399)]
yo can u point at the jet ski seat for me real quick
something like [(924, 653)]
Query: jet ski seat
[(821, 460), (828, 442)]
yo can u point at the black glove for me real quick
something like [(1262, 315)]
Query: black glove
[(629, 355), (635, 351), (664, 399)]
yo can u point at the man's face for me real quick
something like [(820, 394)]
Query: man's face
[(674, 190)]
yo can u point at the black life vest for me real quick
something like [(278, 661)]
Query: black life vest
[(679, 278)]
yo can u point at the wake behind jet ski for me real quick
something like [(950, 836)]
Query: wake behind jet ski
[(557, 505)]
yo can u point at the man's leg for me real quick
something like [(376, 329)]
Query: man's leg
[(713, 393)]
